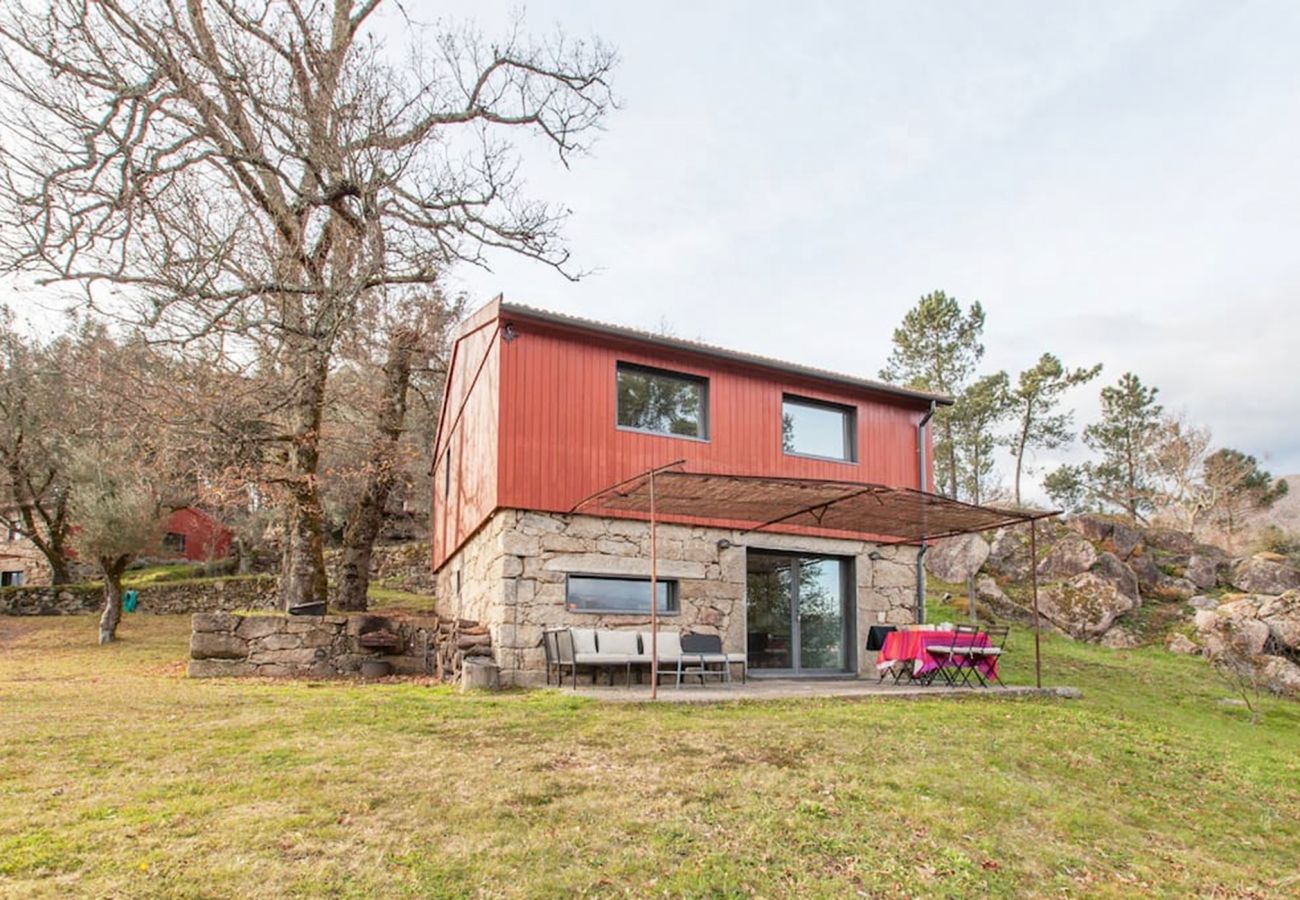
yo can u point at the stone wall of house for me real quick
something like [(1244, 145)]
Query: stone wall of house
[(227, 645), (21, 555), (257, 592), (511, 576)]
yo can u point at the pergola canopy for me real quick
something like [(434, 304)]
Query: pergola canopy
[(884, 514)]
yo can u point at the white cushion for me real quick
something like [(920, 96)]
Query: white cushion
[(584, 640), (670, 644), (737, 658), (617, 642), (602, 659)]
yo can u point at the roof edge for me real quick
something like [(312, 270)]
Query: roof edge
[(738, 356)]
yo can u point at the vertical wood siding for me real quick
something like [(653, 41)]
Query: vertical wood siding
[(559, 441)]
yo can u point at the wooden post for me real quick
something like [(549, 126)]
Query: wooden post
[(654, 597), (1033, 576), (970, 596)]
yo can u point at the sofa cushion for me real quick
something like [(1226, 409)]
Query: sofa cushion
[(584, 640), (670, 644), (616, 642)]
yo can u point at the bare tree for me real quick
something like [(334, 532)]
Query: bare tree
[(33, 458), (255, 171)]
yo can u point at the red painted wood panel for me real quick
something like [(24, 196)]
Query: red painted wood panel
[(538, 430), (205, 537), (559, 440)]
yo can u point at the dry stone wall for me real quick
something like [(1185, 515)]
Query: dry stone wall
[(167, 598), (512, 574), (227, 645)]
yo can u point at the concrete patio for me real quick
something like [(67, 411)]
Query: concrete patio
[(790, 689)]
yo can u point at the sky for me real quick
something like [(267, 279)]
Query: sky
[(1115, 183)]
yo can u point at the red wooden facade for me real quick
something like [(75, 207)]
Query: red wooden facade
[(529, 419), (204, 537)]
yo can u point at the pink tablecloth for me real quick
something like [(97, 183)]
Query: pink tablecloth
[(910, 646)]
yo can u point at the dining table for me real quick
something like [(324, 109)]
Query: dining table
[(912, 646)]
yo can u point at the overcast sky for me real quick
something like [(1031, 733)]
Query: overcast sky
[(1115, 183)]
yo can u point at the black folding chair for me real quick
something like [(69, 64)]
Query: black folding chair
[(996, 646), (953, 654)]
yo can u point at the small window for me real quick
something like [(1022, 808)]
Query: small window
[(662, 402), (823, 430), (446, 474), (174, 542), (11, 579), (596, 594)]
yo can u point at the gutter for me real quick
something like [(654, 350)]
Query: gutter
[(920, 556)]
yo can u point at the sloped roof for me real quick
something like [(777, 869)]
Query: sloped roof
[(703, 349), (877, 512)]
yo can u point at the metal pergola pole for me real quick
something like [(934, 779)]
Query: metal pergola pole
[(654, 596), (1033, 580)]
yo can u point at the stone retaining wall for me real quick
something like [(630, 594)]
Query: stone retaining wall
[(511, 576), (227, 645), (257, 592)]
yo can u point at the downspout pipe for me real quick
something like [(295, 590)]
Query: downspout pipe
[(921, 434)]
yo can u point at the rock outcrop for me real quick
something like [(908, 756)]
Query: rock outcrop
[(955, 559), (1084, 606), (1260, 575)]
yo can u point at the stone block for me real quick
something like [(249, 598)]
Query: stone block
[(215, 621), (252, 627), (219, 668), (516, 543), (885, 573), (279, 642), (304, 656), (562, 543), (217, 645), (536, 523)]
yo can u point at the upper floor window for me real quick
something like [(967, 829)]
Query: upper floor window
[(174, 541), (662, 402), (814, 428)]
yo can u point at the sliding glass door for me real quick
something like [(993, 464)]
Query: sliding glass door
[(798, 613)]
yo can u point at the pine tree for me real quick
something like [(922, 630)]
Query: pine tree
[(975, 415), (1036, 396), (1129, 426), (936, 349)]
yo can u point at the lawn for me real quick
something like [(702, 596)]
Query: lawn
[(118, 776)]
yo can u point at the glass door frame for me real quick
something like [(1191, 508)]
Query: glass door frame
[(848, 614)]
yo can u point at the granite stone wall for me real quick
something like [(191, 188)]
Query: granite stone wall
[(511, 576), (228, 645), (256, 592)]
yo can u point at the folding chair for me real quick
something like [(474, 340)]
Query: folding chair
[(699, 652), (997, 643), (953, 655)]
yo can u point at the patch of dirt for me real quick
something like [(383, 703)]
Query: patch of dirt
[(13, 628)]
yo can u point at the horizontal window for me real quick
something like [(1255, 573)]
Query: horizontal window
[(810, 428), (662, 402), (598, 594), (174, 541)]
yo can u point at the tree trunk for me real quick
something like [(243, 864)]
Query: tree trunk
[(112, 568), (353, 575), (302, 576)]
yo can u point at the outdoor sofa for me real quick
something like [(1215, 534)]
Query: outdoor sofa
[(568, 649)]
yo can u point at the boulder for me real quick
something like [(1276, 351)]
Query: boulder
[(1202, 571), (1282, 616), (1119, 639), (1009, 553), (1232, 630), (1203, 602), (1072, 555), (991, 597), (1279, 675), (1256, 575), (1175, 588), (955, 559), (1092, 526), (1147, 572), (1126, 539), (1170, 540), (1110, 567), (1085, 606), (1181, 643)]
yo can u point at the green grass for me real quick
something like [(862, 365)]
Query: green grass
[(118, 776)]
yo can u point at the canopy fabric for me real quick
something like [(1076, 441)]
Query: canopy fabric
[(896, 515)]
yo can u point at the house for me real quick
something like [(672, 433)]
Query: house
[(544, 411), (190, 533), (20, 561)]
